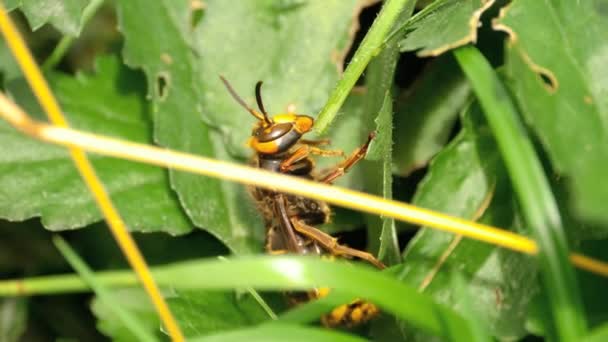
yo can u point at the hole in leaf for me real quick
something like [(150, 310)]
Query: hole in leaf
[(162, 84), (548, 79)]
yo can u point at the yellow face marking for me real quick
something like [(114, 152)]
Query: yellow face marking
[(267, 147), (282, 118), (303, 123)]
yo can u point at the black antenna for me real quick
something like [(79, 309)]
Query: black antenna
[(243, 104), (258, 97)]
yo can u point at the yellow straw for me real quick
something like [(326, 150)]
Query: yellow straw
[(257, 177), (117, 226)]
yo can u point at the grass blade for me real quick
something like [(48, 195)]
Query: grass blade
[(129, 321), (533, 191), (292, 273), (280, 333)]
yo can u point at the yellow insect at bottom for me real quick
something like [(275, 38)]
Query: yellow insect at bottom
[(348, 315)]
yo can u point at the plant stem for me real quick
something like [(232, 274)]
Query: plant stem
[(64, 44), (370, 47), (534, 193)]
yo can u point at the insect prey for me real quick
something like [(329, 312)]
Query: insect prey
[(291, 220)]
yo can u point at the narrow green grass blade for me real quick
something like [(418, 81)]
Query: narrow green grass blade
[(284, 273), (280, 333), (533, 191), (104, 294), (370, 46)]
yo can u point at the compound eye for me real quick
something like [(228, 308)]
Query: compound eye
[(273, 132)]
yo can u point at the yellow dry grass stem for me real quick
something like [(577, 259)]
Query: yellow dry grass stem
[(257, 177), (117, 226)]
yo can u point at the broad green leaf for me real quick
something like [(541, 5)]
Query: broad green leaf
[(204, 312), (8, 67), (296, 47), (477, 322), (65, 15), (37, 179), (442, 26), (461, 181), (13, 319), (122, 315), (425, 117), (138, 304), (556, 58), (161, 44)]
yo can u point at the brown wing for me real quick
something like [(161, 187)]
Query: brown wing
[(285, 226)]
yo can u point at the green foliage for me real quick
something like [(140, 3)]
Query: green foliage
[(233, 311), (159, 84), (65, 15), (562, 89), (425, 115), (467, 179), (110, 102), (442, 25), (13, 319), (137, 304)]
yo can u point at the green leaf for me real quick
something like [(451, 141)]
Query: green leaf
[(534, 194), (38, 179), (477, 323), (137, 303), (296, 48), (280, 333), (135, 326), (8, 66), (467, 179), (598, 335), (442, 26), (424, 119), (161, 44), (556, 58), (13, 319), (205, 312), (65, 15)]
